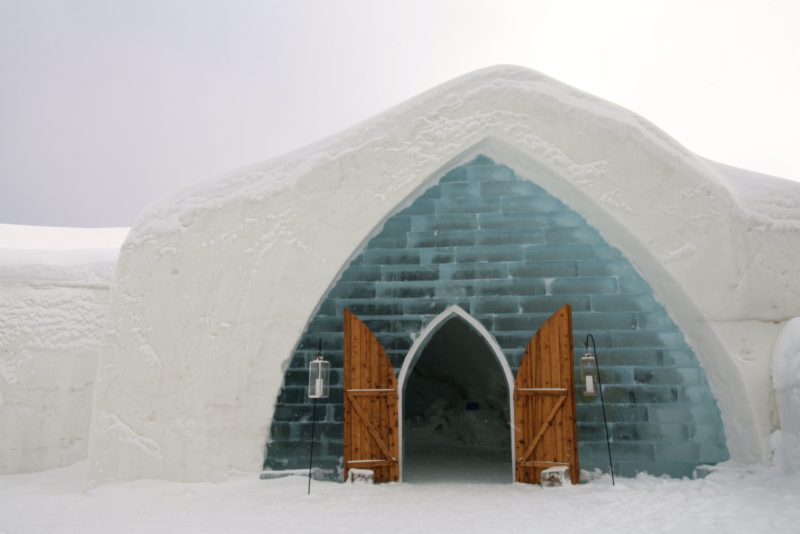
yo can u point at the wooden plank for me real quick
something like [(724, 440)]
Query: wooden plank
[(362, 464), (366, 420), (555, 446), (371, 427), (543, 428), (544, 401), (571, 425)]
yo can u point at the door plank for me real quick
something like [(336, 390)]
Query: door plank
[(545, 425), (366, 418), (371, 419), (544, 401)]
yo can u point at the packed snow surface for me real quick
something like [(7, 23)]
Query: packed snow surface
[(748, 500), (54, 285), (786, 377)]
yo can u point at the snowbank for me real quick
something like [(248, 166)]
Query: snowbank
[(786, 376), (52, 313), (736, 500), (215, 284)]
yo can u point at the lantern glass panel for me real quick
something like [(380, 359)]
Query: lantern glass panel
[(318, 379), (589, 375)]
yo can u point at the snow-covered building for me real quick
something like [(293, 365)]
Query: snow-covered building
[(453, 225)]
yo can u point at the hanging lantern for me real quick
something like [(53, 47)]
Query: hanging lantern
[(318, 375), (589, 375)]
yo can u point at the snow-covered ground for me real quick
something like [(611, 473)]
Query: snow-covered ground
[(749, 500)]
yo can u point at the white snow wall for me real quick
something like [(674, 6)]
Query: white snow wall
[(216, 284), (786, 376), (51, 323)]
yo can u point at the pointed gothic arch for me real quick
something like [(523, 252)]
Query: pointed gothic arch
[(418, 347)]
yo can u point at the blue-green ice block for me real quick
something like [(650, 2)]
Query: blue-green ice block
[(531, 204), (462, 288), (409, 273), (522, 236), (459, 191), (513, 221), (510, 286), (481, 271), (573, 251), (452, 221), (578, 234), (606, 303), (590, 285), (656, 321), (405, 292), (441, 238), (543, 269), (518, 323), (422, 206), (594, 321), (508, 189), (459, 205), (489, 172), (489, 253), (386, 256)]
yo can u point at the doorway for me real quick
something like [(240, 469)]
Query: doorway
[(456, 390), (444, 418)]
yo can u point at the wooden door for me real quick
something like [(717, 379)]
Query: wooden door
[(544, 402), (370, 404)]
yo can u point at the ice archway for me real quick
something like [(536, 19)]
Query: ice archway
[(455, 315)]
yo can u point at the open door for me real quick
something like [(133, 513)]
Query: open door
[(544, 402), (370, 404)]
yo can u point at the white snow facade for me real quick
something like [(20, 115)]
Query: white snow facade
[(217, 286), (51, 325)]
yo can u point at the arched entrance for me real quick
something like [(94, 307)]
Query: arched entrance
[(456, 404), (453, 378)]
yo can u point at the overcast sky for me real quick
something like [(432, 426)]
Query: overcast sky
[(107, 105)]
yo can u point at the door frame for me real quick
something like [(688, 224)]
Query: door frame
[(418, 347)]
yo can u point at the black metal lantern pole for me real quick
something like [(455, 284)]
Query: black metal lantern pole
[(311, 449), (602, 402), (318, 370)]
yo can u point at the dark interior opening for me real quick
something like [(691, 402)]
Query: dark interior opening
[(456, 411)]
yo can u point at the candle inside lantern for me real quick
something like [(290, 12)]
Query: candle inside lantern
[(318, 385), (589, 388)]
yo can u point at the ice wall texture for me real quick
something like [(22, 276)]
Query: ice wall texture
[(51, 323), (510, 254)]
